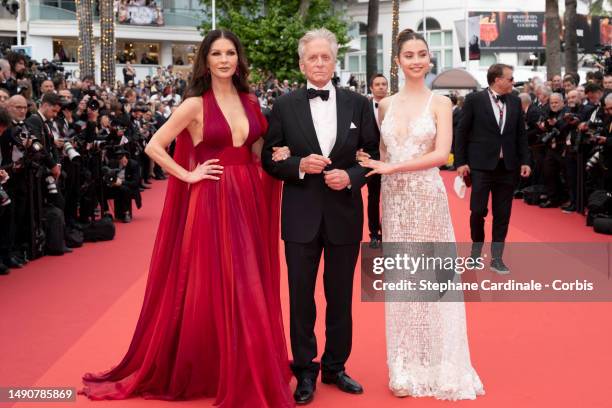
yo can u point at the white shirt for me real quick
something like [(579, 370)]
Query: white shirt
[(324, 119), (374, 103), (496, 111)]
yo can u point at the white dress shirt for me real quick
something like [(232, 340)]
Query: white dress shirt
[(496, 111), (375, 105), (324, 119)]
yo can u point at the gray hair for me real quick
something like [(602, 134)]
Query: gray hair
[(546, 91), (318, 33), (557, 95), (608, 98), (525, 97)]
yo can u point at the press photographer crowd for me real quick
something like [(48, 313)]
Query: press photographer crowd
[(72, 155), (569, 129)]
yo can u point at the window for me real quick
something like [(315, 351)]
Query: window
[(440, 44), (65, 49), (184, 54), (487, 58), (137, 52), (356, 61)]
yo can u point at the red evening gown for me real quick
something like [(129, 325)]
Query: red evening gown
[(211, 323)]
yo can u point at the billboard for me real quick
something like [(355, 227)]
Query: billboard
[(499, 31), (138, 12)]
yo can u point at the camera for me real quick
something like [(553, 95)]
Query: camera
[(109, 175), (595, 160), (548, 136), (69, 104), (70, 151), (93, 104), (50, 184)]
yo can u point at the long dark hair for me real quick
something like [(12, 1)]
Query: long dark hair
[(201, 78)]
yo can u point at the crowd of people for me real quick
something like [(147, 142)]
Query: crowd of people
[(569, 128), (68, 149)]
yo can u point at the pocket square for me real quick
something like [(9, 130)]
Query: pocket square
[(353, 126)]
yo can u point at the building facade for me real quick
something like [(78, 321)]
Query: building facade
[(443, 22)]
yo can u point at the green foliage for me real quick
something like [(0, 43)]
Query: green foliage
[(270, 30)]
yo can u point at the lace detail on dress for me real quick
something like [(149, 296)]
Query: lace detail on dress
[(427, 346)]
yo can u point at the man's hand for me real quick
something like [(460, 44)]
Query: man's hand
[(59, 143), (337, 179), (314, 164), (118, 182), (525, 170), (463, 171), (600, 139), (3, 176)]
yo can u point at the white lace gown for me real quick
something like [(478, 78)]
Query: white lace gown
[(427, 345)]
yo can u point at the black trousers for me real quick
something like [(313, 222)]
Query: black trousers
[(570, 161), (122, 195), (303, 264), (499, 184), (374, 206), (554, 167)]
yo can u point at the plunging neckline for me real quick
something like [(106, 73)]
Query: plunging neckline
[(227, 122)]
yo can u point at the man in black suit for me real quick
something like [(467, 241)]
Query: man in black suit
[(491, 147), (323, 127)]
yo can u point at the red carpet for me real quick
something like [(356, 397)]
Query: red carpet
[(67, 315)]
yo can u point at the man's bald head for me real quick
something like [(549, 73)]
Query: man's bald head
[(18, 107)]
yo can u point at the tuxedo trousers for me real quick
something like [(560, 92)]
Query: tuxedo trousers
[(499, 184), (339, 267)]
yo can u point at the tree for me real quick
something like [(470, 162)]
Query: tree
[(394, 50), (86, 48), (570, 37), (270, 31), (107, 42), (372, 39), (553, 38)]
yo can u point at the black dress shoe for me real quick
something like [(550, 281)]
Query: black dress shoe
[(548, 204), (4, 270), (343, 381), (13, 262), (304, 392), (498, 266), (67, 250), (126, 219), (375, 243)]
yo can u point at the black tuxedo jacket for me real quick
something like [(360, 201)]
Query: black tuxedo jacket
[(479, 139), (308, 202)]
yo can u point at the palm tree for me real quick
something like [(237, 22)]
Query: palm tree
[(394, 33), (553, 38), (107, 40), (570, 37), (86, 47), (372, 39)]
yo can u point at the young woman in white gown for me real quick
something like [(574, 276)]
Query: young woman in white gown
[(427, 346)]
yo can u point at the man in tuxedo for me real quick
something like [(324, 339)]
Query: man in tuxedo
[(491, 148), (322, 209), (380, 89)]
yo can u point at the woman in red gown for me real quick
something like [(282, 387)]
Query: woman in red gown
[(211, 324)]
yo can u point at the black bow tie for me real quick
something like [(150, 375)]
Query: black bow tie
[(322, 93), (501, 98), (376, 105)]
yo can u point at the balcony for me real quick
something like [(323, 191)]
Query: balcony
[(66, 10)]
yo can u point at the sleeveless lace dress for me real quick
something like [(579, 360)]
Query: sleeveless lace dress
[(427, 346)]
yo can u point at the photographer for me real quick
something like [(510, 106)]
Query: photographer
[(532, 116), (10, 256), (41, 125), (555, 130), (577, 114), (122, 179)]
